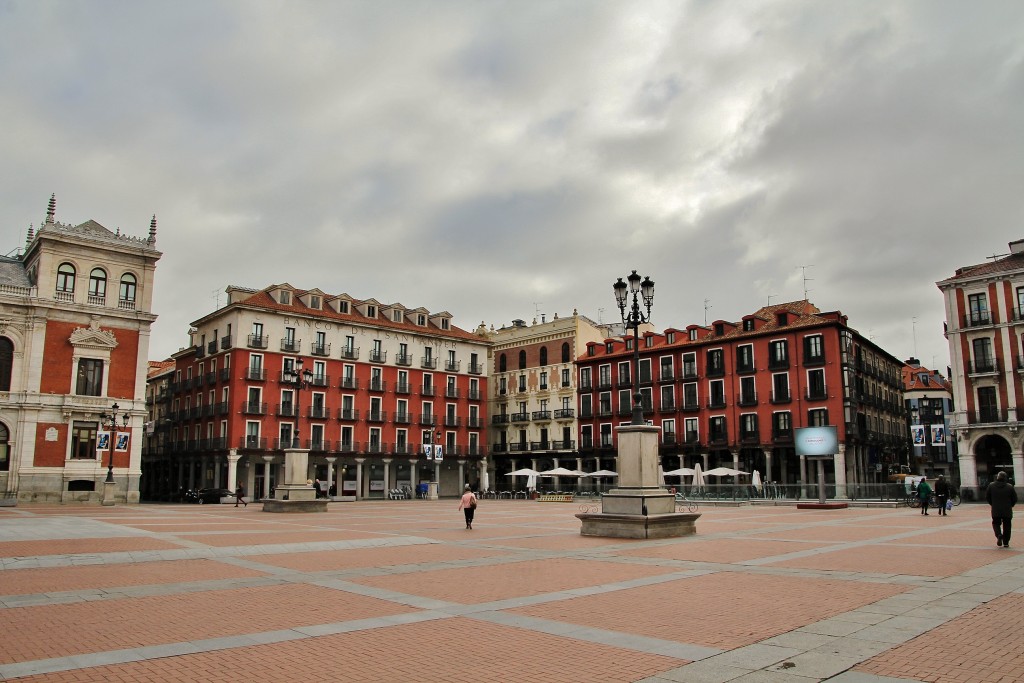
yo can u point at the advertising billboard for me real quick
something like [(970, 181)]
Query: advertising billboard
[(817, 441)]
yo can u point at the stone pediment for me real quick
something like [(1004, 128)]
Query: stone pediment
[(93, 336)]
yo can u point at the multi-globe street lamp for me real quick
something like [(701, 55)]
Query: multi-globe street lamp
[(298, 379), (634, 317), (111, 421)]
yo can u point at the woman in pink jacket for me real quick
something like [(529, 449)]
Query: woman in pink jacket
[(468, 506)]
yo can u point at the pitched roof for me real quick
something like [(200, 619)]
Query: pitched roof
[(919, 378), (12, 272), (1011, 262)]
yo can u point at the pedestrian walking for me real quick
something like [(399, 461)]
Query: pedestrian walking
[(468, 505), (942, 494), (924, 491), (1001, 498), (240, 496)]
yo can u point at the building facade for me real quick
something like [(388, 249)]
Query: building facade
[(985, 326), (731, 394), (928, 397), (75, 317), (533, 395), (384, 381)]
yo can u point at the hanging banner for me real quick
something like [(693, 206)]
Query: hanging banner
[(428, 451), (438, 453), (102, 442), (917, 434), (121, 442), (938, 435)]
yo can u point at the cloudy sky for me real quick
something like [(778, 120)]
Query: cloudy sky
[(503, 159)]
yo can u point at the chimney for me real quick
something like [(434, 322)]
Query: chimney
[(1017, 247)]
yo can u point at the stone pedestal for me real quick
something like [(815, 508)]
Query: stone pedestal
[(108, 492), (639, 507), (295, 495), (432, 490)]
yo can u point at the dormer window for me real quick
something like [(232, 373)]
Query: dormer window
[(396, 316), (285, 297), (782, 319), (445, 324), (671, 338), (693, 335), (371, 311), (421, 320), (342, 307), (314, 301), (748, 325), (719, 329)]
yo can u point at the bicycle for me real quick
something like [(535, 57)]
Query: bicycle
[(684, 504)]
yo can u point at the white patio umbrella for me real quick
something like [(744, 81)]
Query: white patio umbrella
[(531, 482), (601, 473), (724, 472), (661, 476), (485, 481), (525, 472), (681, 472), (755, 481), (561, 472), (698, 476)]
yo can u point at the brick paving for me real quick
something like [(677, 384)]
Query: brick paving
[(399, 591)]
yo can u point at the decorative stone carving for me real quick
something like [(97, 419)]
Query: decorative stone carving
[(93, 336)]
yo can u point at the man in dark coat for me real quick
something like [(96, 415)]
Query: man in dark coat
[(942, 493), (1001, 497)]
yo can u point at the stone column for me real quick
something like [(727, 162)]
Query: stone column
[(359, 478), (1018, 469), (803, 476), (462, 473), (735, 459), (330, 474), (268, 464), (840, 472), (414, 475), (387, 476), (233, 457), (768, 465)]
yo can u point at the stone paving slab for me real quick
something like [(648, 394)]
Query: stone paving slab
[(399, 591)]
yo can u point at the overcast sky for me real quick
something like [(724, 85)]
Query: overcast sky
[(503, 159)]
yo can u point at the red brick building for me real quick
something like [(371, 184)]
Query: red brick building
[(732, 393), (385, 381), (75, 315)]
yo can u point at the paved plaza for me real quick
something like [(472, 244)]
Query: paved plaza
[(401, 591)]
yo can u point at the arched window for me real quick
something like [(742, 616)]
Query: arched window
[(98, 282), (127, 288), (5, 455), (502, 363), (6, 363), (543, 355), (565, 352), (522, 360), (66, 278)]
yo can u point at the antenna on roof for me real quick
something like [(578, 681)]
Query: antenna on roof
[(600, 316), (536, 309), (770, 298), (707, 306), (216, 298), (913, 327), (995, 256), (806, 279)]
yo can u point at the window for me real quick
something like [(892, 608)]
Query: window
[(668, 431), (127, 293), (693, 334), (66, 278), (604, 376), (816, 384), (522, 382), (585, 382), (748, 426), (90, 377), (83, 441), (586, 405), (778, 354), (983, 361), (625, 402), (286, 297), (624, 369), (748, 325), (502, 385), (342, 307), (978, 305), (782, 425), (689, 365), (604, 403), (814, 352), (717, 428), (715, 366), (780, 387), (502, 363), (566, 354), (543, 380), (668, 397), (371, 311), (350, 344), (745, 358), (6, 363), (421, 320), (670, 337), (817, 417), (98, 283), (522, 360), (988, 409), (543, 355), (566, 377), (748, 396), (445, 324), (314, 301), (606, 435), (396, 316), (666, 368), (691, 433), (716, 390), (645, 370), (690, 400)]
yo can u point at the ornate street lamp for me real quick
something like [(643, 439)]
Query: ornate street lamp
[(111, 422), (634, 317), (298, 379)]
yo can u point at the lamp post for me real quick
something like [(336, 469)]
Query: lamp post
[(298, 379), (111, 421), (634, 317)]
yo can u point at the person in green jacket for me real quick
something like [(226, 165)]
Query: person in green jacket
[(924, 492)]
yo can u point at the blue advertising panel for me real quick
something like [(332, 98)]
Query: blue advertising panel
[(817, 441)]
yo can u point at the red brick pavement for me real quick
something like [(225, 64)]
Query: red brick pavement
[(722, 550), (336, 560), (74, 546), (894, 559), (455, 650), (982, 646), (724, 610)]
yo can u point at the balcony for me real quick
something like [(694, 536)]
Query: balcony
[(315, 446), (751, 437), (718, 438), (542, 416), (378, 356), (377, 384), (452, 366), (452, 421), (286, 410), (211, 347), (519, 446), (403, 418), (690, 404), (499, 419), (225, 374), (985, 366), (565, 414), (350, 353), (818, 394), (476, 369), (604, 384), (317, 413), (222, 408), (320, 349), (987, 416), (586, 413), (451, 392), (716, 402), (373, 447), (428, 363), (200, 352), (714, 371), (403, 388), (427, 390), (474, 395), (289, 345), (745, 368), (225, 342), (402, 449), (585, 387), (604, 411), (475, 422), (348, 414), (667, 407), (257, 341), (475, 450), (624, 382), (520, 417), (499, 448), (211, 378), (691, 438), (349, 383), (253, 443), (255, 374), (782, 435), (321, 381), (427, 420), (667, 375), (625, 410), (977, 319), (254, 408), (781, 397), (778, 363), (64, 297), (747, 400), (345, 447), (287, 442), (811, 359), (376, 416), (403, 359), (689, 371), (668, 438)]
